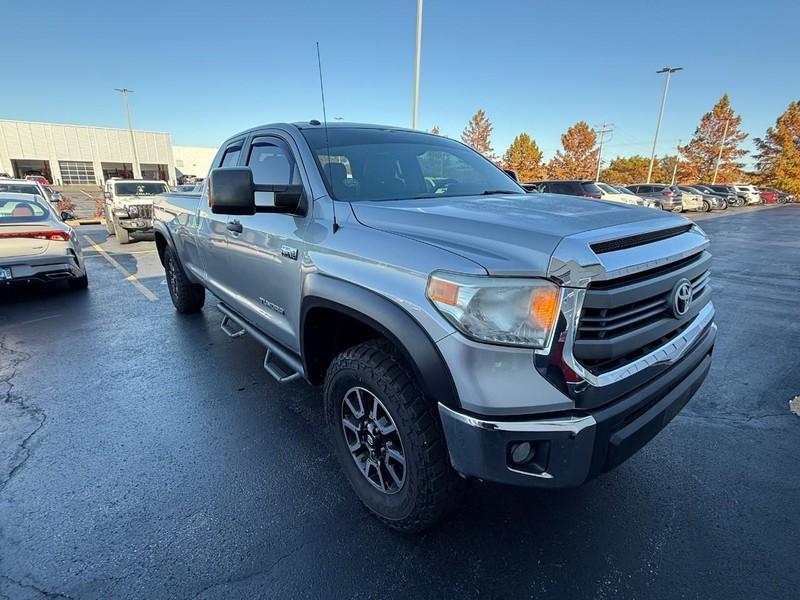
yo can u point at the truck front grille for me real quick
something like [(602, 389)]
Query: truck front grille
[(141, 211), (626, 318)]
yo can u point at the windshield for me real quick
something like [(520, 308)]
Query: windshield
[(624, 190), (381, 164), (132, 188), (22, 210), (607, 188)]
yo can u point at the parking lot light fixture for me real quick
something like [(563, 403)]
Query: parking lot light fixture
[(669, 71), (125, 92)]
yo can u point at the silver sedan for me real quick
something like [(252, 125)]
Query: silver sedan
[(36, 245)]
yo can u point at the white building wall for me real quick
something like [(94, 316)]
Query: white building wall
[(193, 160), (52, 142)]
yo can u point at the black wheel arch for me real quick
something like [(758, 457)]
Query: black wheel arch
[(323, 294)]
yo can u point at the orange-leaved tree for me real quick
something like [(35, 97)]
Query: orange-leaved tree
[(524, 157), (477, 134), (578, 159), (699, 156), (778, 155)]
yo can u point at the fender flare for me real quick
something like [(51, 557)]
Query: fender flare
[(159, 228), (392, 321)]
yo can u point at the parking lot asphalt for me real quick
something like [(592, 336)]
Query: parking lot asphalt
[(143, 454)]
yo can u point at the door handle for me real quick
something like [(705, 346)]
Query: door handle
[(234, 226)]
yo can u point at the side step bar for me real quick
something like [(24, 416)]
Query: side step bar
[(274, 349)]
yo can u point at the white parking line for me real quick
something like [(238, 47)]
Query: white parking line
[(128, 276), (86, 194)]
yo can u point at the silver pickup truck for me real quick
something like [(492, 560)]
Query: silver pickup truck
[(459, 327)]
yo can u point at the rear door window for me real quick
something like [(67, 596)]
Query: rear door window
[(231, 156)]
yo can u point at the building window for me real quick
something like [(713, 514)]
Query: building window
[(76, 172)]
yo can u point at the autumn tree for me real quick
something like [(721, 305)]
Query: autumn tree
[(778, 155), (578, 159), (477, 134), (626, 169), (524, 157), (699, 156)]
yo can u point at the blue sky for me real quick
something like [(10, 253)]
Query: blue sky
[(202, 71)]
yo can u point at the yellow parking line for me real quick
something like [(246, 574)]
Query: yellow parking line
[(128, 276)]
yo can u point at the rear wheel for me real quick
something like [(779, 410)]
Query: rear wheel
[(706, 206), (187, 297), (123, 237), (79, 283), (388, 438)]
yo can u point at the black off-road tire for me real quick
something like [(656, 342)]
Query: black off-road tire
[(109, 222), (431, 488), (123, 236), (187, 297)]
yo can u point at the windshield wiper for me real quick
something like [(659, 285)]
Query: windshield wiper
[(493, 192)]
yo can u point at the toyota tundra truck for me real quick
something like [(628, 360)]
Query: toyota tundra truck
[(460, 328), (128, 206)]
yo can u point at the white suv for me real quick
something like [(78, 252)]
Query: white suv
[(750, 193)]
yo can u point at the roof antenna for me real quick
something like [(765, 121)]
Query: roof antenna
[(327, 142)]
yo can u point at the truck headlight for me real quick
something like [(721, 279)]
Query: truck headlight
[(497, 310)]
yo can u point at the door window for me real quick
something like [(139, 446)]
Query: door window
[(231, 157)]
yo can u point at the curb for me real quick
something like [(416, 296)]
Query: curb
[(87, 221)]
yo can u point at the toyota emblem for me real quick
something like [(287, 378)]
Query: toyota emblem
[(681, 297)]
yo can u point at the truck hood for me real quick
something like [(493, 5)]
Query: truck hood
[(511, 234)]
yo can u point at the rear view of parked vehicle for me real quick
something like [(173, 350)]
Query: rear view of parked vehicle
[(36, 245), (668, 197), (709, 201), (750, 193), (569, 187)]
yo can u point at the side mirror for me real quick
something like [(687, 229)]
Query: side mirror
[(66, 215), (56, 197), (107, 195), (231, 191), (512, 173)]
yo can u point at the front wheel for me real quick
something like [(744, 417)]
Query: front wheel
[(388, 438), (187, 297), (123, 236)]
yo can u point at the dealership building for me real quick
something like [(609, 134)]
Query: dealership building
[(76, 154)]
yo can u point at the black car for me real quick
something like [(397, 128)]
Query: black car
[(733, 197), (569, 187)]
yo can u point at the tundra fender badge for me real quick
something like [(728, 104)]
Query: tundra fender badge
[(289, 252)]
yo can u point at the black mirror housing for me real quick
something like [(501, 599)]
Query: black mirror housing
[(231, 191)]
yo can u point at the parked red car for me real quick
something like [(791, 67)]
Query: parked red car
[(38, 178), (768, 196)]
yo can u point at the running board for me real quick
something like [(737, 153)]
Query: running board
[(279, 362)]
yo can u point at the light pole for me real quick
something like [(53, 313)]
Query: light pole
[(677, 160), (669, 71), (604, 129), (415, 109), (719, 156), (125, 92)]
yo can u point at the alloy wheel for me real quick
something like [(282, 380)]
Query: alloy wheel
[(373, 440)]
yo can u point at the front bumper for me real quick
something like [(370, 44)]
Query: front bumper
[(136, 224), (575, 446)]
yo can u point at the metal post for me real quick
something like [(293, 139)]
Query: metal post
[(415, 109), (719, 156), (125, 92), (669, 71), (604, 128), (677, 160)]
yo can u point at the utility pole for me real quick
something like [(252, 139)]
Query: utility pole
[(677, 160), (415, 109), (604, 129), (125, 92), (669, 71), (719, 156)]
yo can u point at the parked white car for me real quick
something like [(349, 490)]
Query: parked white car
[(36, 245), (615, 194), (750, 192)]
